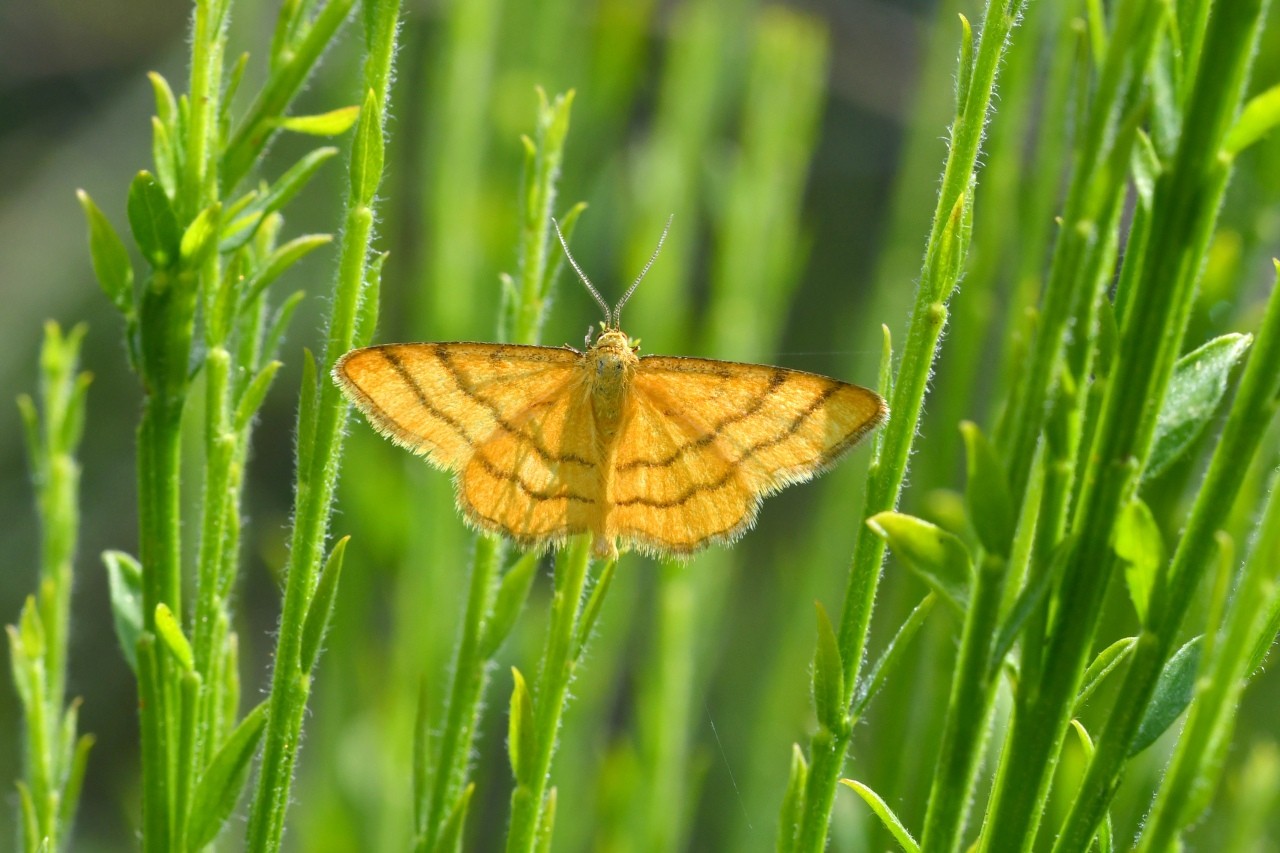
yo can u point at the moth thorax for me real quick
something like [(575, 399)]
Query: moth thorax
[(611, 363)]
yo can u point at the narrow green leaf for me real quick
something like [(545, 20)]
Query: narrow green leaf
[(591, 611), (201, 237), (124, 579), (332, 123), (513, 591), (166, 105), (828, 675), (1258, 118), (520, 734), (163, 156), (321, 609), (939, 557), (964, 72), (307, 405), (110, 258), (239, 230), (1032, 595), (31, 841), (370, 297), (152, 220), (1086, 745), (547, 823), (171, 634), (367, 152), (1198, 385), (280, 323), (224, 779), (792, 801), (279, 261), (1139, 544), (886, 815), (986, 493), (450, 838), (20, 663), (892, 655), (1173, 693), (422, 759), (253, 396), (74, 780), (1102, 666)]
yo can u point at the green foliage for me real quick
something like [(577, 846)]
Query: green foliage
[(1083, 399)]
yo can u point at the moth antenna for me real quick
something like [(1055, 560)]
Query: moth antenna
[(617, 311), (608, 315)]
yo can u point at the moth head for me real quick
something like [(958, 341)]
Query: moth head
[(612, 316)]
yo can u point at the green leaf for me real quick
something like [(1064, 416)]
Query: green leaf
[(332, 123), (886, 815), (321, 609), (370, 296), (224, 779), (965, 71), (200, 238), (1259, 116), (367, 152), (30, 823), (422, 761), (1139, 544), (166, 105), (253, 396), (828, 675), (152, 220), (163, 155), (1102, 666), (110, 258), (307, 405), (20, 662), (280, 323), (513, 591), (1086, 745), (892, 655), (520, 734), (1198, 385), (792, 801), (591, 611), (279, 261), (542, 844), (240, 229), (124, 579), (986, 493), (1028, 600), (939, 557), (450, 837), (75, 780), (1174, 689), (171, 634)]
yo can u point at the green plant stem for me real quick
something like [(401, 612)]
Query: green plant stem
[(1200, 754), (1243, 434), (828, 748), (469, 678), (470, 667), (1131, 46), (38, 644), (528, 800), (317, 475), (1186, 201), (968, 712)]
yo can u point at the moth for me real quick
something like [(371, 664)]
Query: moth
[(662, 454)]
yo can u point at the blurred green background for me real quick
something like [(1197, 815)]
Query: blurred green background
[(798, 145)]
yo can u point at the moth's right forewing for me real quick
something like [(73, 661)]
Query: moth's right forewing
[(443, 400)]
